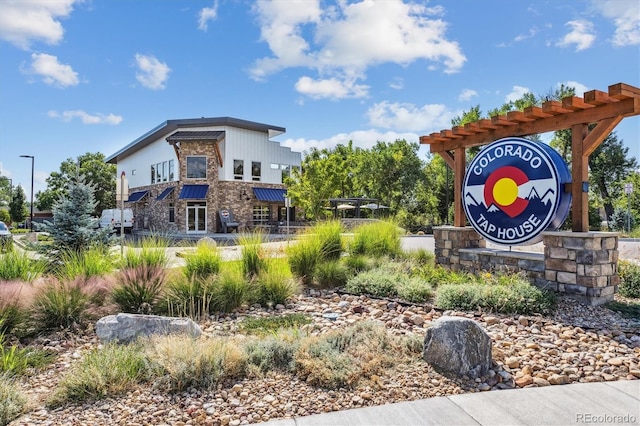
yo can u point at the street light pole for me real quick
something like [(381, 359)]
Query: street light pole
[(32, 164)]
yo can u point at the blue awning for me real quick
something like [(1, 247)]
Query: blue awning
[(137, 196), (193, 192), (164, 194), (270, 194)]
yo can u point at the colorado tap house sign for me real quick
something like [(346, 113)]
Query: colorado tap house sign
[(513, 190)]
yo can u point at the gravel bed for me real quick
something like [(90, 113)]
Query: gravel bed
[(576, 343)]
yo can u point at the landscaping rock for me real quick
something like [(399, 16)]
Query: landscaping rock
[(125, 328), (457, 347)]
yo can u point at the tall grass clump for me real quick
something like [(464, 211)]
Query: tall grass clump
[(108, 371), (12, 401), (329, 236), (629, 279), (303, 256), (18, 265), (358, 263), (252, 253), (205, 261), (232, 290), (95, 261), (59, 304), (138, 289), (332, 274), (15, 297), (376, 239), (276, 286), (190, 296), (184, 362), (151, 251)]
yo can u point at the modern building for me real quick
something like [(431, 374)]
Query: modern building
[(183, 173)]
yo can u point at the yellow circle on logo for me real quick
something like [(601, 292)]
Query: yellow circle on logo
[(505, 191)]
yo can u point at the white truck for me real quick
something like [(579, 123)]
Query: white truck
[(110, 218)]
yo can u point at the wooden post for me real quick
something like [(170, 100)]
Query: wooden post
[(580, 173), (459, 218)]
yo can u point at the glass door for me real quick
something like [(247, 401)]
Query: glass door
[(196, 217)]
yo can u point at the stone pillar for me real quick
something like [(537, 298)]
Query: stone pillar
[(450, 239), (584, 264)]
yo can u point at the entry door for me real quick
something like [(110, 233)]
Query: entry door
[(196, 217)]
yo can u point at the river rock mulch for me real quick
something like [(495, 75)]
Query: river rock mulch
[(576, 343)]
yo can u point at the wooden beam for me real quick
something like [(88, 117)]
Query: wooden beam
[(622, 91), (459, 218), (598, 134), (596, 97), (575, 103), (580, 174), (447, 156)]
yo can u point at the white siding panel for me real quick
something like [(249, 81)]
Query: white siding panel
[(142, 160)]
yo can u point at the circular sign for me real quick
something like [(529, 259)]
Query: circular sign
[(513, 190)]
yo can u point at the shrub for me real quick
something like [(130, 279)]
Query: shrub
[(328, 235), (274, 352), (272, 324), (376, 239), (15, 361), (629, 279), (152, 251), (252, 254), (320, 363), (12, 401), (95, 261), (190, 297), (231, 291), (358, 263), (205, 261), (415, 290), (275, 287), (139, 288), (200, 363), (379, 282), (516, 297), (304, 256), (108, 371), (18, 265), (59, 304), (332, 274)]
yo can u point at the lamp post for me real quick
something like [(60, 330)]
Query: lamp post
[(32, 164)]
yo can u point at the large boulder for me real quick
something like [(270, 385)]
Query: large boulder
[(457, 347), (125, 328)]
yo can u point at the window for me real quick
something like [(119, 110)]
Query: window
[(196, 167), (260, 215), (165, 171), (255, 170), (171, 167), (133, 172), (286, 170), (238, 169), (297, 168), (153, 173), (275, 166), (158, 172), (172, 213)]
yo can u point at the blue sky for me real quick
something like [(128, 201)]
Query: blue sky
[(81, 76)]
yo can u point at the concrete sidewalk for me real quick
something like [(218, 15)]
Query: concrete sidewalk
[(605, 403)]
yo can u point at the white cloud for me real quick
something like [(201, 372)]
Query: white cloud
[(408, 117), (86, 118), (397, 83), (345, 39), (152, 73), (626, 17), (466, 95), (516, 93), (582, 35), (52, 72), (4, 172), (361, 138), (23, 22), (331, 88), (532, 32), (207, 14)]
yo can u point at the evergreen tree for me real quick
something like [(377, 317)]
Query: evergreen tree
[(17, 205), (73, 228)]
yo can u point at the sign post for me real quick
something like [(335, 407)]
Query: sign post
[(628, 189), (287, 205), (121, 190)]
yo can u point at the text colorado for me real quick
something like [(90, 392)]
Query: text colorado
[(511, 151)]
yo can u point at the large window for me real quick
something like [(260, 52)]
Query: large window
[(256, 172), (238, 169), (153, 173), (260, 215), (197, 167), (171, 172), (172, 213)]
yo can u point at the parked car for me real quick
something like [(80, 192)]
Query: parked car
[(111, 218), (6, 238)]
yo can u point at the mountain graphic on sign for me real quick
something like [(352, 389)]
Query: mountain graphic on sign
[(471, 200), (548, 196), (533, 194), (493, 208)]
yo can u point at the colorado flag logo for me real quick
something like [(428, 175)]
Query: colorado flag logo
[(513, 190)]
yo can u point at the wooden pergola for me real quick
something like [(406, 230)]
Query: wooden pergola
[(604, 109)]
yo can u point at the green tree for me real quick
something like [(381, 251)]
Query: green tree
[(18, 205), (73, 228), (5, 191), (97, 173)]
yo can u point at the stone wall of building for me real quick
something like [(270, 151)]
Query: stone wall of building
[(582, 265)]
